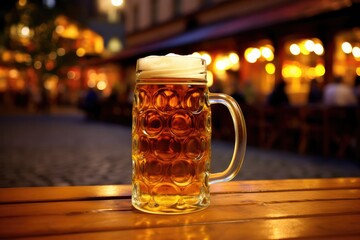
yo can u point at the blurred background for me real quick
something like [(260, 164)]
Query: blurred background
[(67, 71)]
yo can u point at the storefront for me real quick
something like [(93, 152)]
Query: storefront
[(298, 43)]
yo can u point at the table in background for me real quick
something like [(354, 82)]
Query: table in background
[(297, 208)]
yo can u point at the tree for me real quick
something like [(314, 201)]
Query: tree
[(31, 36)]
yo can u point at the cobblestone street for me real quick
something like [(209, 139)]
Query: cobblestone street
[(63, 148)]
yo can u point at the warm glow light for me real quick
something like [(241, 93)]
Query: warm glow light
[(236, 66), (20, 84), (37, 64), (117, 3), (309, 45), (247, 55), (59, 29), (270, 68), (267, 53), (92, 78), (356, 52), (99, 44), (256, 52), (234, 58), (80, 52), (346, 47), (207, 58), (222, 64), (358, 71), (49, 65), (22, 3), (101, 85), (252, 54), (91, 83), (291, 71), (61, 51), (6, 56), (101, 77), (210, 78), (114, 45), (3, 84), (294, 49), (71, 74), (92, 75), (19, 57), (311, 73), (52, 55), (51, 83), (48, 85), (318, 49), (25, 31), (304, 50), (319, 70), (27, 58), (71, 31), (13, 73)]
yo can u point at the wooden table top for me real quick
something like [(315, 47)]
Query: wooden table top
[(275, 209)]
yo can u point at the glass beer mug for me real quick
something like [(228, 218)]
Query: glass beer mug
[(171, 135)]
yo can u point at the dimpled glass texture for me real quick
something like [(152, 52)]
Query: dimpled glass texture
[(171, 147)]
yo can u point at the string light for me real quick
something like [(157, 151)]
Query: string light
[(117, 3), (294, 49), (346, 47), (356, 52)]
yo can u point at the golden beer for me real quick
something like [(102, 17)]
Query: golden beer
[(171, 147)]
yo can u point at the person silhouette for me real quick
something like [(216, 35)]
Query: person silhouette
[(338, 93), (315, 93), (278, 96)]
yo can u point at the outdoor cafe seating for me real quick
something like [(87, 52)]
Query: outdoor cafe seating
[(319, 129)]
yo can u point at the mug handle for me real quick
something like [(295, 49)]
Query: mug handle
[(240, 137)]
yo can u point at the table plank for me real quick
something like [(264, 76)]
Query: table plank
[(284, 196), (77, 207), (335, 227), (123, 220), (40, 194), (327, 208), (285, 185), (67, 207)]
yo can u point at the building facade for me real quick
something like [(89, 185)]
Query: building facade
[(262, 42)]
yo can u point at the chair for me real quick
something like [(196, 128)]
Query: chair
[(289, 127), (313, 130), (268, 122), (342, 129)]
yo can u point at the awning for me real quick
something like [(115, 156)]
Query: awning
[(291, 11)]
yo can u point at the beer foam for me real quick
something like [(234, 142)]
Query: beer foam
[(171, 66)]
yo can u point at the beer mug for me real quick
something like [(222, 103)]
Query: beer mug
[(171, 135)]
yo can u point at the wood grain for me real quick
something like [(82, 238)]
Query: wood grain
[(298, 208), (41, 194), (121, 220), (337, 227), (77, 207)]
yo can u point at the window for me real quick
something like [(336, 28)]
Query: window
[(347, 55), (258, 69), (303, 62)]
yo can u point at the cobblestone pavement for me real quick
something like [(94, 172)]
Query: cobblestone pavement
[(63, 148)]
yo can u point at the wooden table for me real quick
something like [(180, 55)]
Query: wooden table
[(312, 208)]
